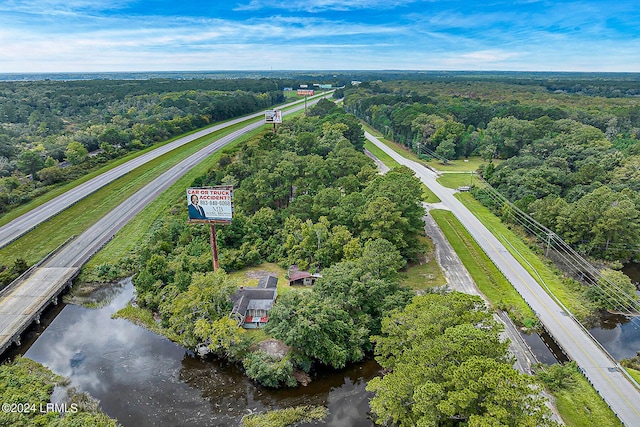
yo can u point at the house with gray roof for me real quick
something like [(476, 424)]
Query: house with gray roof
[(251, 306)]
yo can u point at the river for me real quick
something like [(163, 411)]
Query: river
[(143, 379)]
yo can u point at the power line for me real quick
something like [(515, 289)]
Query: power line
[(570, 257)]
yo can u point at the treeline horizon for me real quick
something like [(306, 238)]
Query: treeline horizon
[(568, 158)]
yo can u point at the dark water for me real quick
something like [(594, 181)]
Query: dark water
[(544, 348), (143, 379), (633, 271), (620, 335)]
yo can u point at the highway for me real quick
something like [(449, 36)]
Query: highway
[(28, 221), (597, 365), (25, 301)]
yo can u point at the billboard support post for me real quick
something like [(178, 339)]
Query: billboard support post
[(273, 116), (211, 205), (214, 247)]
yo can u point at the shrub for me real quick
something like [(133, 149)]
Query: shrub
[(269, 371)]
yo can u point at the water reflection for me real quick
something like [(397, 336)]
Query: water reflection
[(620, 335), (143, 379)]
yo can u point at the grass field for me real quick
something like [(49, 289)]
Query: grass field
[(250, 276), (428, 196), (582, 406), (381, 155), (634, 373), (470, 164), (457, 179), (489, 279), (426, 273)]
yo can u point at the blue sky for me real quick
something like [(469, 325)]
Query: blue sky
[(156, 35)]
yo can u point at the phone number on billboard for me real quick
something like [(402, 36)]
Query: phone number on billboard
[(216, 203)]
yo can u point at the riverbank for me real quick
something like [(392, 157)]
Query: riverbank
[(31, 394), (143, 379)]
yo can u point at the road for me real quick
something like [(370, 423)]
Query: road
[(23, 303), (28, 221), (459, 279), (597, 365)]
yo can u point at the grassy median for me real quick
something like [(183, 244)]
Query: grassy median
[(489, 279), (50, 234)]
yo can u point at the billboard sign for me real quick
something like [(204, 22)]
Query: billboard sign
[(273, 116), (305, 92), (208, 204)]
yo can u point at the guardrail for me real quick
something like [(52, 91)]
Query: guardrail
[(7, 289)]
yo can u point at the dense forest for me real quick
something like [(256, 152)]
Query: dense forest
[(566, 151), (309, 196), (57, 131), (306, 196), (571, 151)]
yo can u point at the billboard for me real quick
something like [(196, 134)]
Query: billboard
[(208, 204), (273, 116), (305, 92)]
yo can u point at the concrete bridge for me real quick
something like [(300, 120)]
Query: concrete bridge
[(27, 297)]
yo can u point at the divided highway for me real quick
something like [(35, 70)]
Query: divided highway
[(28, 221), (25, 301), (597, 365)]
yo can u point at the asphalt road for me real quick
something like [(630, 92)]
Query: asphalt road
[(597, 365), (28, 221), (31, 295)]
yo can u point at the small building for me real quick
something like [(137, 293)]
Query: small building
[(301, 278), (251, 306)]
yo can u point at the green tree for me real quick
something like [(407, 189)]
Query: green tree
[(447, 365), (268, 370), (509, 135), (206, 300), (382, 219), (30, 162), (51, 175), (317, 328), (76, 153), (614, 291), (446, 149), (221, 334)]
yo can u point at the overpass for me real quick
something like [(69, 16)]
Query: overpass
[(598, 366), (26, 298)]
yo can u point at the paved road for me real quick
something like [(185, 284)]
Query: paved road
[(27, 222), (23, 303), (598, 366)]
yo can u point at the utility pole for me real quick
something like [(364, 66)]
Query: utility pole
[(549, 235)]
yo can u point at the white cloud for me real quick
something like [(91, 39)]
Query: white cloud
[(325, 5), (60, 7)]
